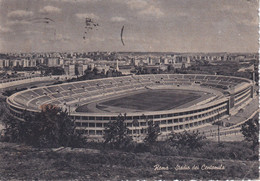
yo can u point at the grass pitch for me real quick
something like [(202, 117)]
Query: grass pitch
[(154, 100)]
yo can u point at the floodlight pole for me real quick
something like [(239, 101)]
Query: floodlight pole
[(218, 135), (218, 128)]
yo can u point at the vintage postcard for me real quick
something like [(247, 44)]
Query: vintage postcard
[(129, 89)]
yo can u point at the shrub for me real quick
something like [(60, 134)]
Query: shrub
[(228, 150), (163, 149), (192, 140), (141, 148), (250, 130), (50, 128)]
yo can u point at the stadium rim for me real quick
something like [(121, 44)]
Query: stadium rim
[(235, 91)]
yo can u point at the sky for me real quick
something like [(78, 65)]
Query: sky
[(149, 25)]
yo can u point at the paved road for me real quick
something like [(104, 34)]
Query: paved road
[(235, 119)]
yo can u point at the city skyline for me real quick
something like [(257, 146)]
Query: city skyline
[(149, 26)]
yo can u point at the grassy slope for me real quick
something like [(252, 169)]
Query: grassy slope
[(23, 162)]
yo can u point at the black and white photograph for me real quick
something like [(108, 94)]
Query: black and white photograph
[(129, 90)]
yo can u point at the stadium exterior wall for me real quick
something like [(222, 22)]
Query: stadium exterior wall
[(177, 120)]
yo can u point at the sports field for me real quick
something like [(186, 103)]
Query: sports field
[(154, 100), (149, 100)]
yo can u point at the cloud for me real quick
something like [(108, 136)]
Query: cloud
[(117, 19), (136, 4), (240, 7), (50, 9), (5, 30), (19, 17), (97, 39), (19, 14), (241, 15), (60, 38), (73, 1), (230, 9), (86, 15), (152, 11), (32, 32), (248, 21), (18, 22), (145, 8)]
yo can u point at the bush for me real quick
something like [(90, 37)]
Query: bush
[(141, 148), (163, 149), (10, 92), (228, 150), (134, 147), (250, 130), (191, 140), (50, 128)]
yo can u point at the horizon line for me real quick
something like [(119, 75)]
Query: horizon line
[(129, 52)]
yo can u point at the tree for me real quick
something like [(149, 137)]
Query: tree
[(191, 140), (116, 133), (53, 71), (11, 130), (50, 128), (95, 70), (76, 70), (88, 73), (153, 131), (135, 123), (250, 131)]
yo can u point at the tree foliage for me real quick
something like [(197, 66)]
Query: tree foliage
[(12, 91), (250, 131), (53, 71), (50, 128), (153, 131), (190, 140), (116, 133)]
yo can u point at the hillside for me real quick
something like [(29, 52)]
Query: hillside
[(26, 163)]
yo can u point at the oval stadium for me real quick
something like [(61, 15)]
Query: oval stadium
[(176, 102)]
